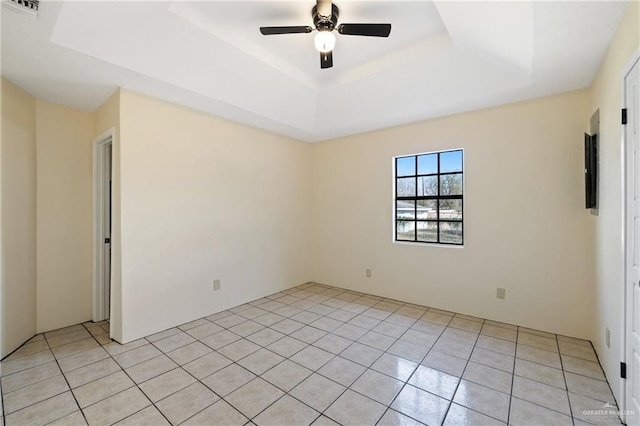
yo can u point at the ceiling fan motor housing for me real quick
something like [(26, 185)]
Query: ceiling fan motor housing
[(325, 23)]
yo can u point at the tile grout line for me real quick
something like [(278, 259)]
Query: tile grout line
[(348, 387), (45, 399), (4, 359), (181, 389), (4, 417), (539, 363), (66, 381), (322, 413), (130, 378), (527, 378), (235, 362), (566, 389), (605, 377), (461, 374), (564, 377), (30, 384), (513, 375), (4, 414), (413, 372)]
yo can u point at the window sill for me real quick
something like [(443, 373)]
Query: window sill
[(411, 243)]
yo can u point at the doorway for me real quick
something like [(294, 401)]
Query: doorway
[(102, 197), (631, 132)]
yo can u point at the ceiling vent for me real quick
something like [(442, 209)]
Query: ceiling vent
[(25, 7)]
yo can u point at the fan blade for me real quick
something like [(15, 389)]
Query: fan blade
[(326, 60), (371, 30), (285, 30), (324, 8)]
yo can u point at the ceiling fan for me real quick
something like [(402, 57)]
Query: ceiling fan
[(325, 19)]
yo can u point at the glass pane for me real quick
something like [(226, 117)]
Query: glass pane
[(428, 232), (428, 185), (451, 209), (451, 161), (405, 230), (428, 164), (405, 209), (406, 187), (406, 166), (451, 184), (451, 232), (427, 209)]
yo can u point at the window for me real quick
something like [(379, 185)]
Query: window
[(428, 202)]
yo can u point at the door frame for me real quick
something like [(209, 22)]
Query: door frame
[(101, 145), (627, 178)]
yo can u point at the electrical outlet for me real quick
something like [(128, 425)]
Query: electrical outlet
[(608, 337), (216, 285), (368, 273), (501, 293)]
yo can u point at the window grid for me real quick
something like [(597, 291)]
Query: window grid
[(437, 198)]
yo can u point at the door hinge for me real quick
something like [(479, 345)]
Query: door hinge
[(623, 370), (624, 116)]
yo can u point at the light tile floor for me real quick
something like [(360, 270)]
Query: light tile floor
[(311, 354)]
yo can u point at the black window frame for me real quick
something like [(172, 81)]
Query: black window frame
[(437, 198)]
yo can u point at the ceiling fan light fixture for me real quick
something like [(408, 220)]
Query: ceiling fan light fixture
[(324, 41), (325, 20)]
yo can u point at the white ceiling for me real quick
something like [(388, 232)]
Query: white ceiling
[(442, 57)]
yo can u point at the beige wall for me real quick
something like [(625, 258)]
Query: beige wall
[(64, 225), (526, 228), (606, 95), (18, 229), (105, 118), (203, 198)]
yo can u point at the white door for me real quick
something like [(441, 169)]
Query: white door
[(102, 162), (632, 292), (107, 233)]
